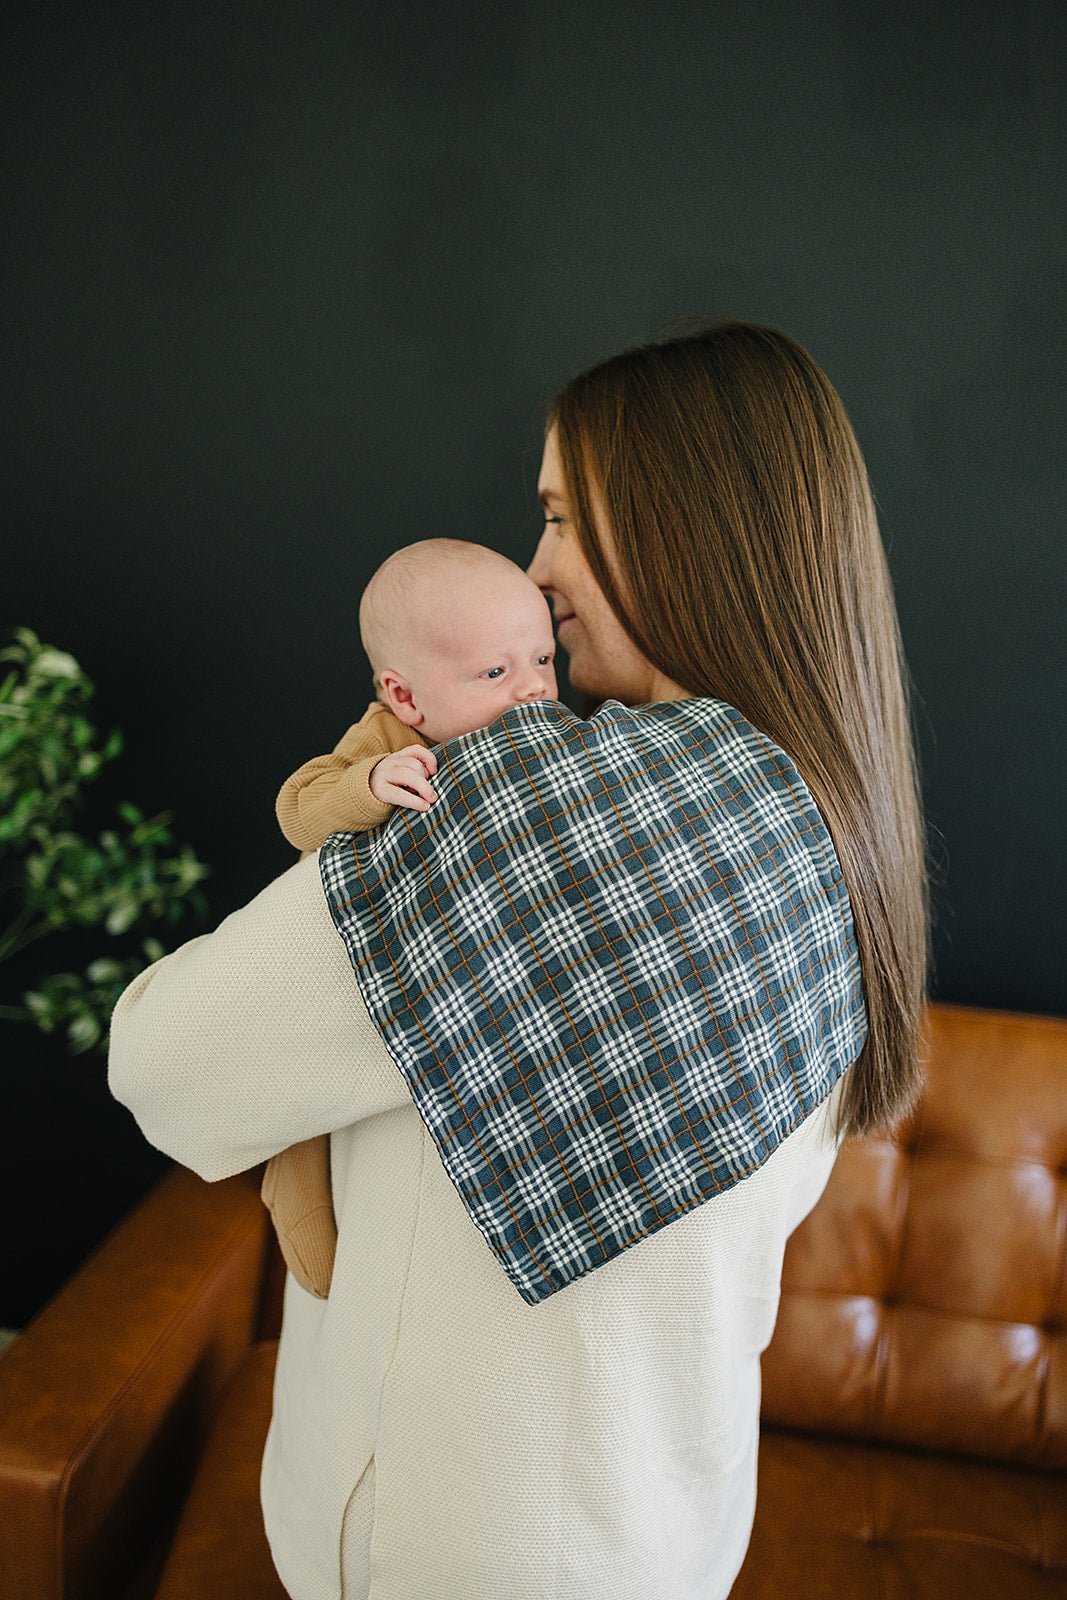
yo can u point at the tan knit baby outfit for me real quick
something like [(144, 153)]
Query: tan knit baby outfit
[(326, 795)]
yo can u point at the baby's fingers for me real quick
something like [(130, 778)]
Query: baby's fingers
[(420, 752), (412, 795), (407, 780), (397, 781)]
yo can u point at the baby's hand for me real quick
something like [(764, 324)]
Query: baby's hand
[(401, 779)]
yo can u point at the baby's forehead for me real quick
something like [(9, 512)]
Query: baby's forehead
[(505, 583), (474, 618)]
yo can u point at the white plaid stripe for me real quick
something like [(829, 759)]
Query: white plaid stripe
[(615, 962)]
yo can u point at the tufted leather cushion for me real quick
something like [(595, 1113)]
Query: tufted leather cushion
[(924, 1299), (838, 1521)]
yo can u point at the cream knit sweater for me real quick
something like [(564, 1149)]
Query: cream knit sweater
[(434, 1437)]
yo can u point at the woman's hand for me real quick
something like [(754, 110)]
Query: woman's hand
[(402, 779)]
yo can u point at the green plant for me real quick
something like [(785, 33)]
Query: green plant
[(51, 877)]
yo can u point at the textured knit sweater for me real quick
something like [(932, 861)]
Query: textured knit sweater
[(434, 1437), (331, 793)]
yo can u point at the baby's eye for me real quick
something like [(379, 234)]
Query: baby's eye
[(493, 672), (542, 661)]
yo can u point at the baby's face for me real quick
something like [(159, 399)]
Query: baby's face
[(494, 651)]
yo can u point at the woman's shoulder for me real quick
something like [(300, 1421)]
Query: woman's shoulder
[(549, 733), (538, 720), (611, 714)]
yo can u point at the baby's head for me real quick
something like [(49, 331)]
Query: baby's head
[(456, 634)]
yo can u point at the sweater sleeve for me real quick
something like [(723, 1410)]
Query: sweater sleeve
[(251, 1038), (330, 793)]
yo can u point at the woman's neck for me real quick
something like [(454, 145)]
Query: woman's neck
[(664, 688)]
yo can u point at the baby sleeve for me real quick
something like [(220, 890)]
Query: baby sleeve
[(332, 793)]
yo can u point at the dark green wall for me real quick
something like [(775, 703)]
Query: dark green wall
[(289, 286)]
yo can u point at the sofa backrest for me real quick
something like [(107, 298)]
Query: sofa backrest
[(924, 1299)]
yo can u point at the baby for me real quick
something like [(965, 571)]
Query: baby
[(456, 634)]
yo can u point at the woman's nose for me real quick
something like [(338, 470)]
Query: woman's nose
[(540, 568)]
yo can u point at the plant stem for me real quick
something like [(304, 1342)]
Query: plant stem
[(16, 938)]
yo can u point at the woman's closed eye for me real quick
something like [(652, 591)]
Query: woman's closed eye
[(549, 520)]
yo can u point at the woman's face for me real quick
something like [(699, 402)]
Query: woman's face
[(603, 660)]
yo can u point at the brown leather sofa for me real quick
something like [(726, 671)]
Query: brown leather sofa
[(915, 1392)]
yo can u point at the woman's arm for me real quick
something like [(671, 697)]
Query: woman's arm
[(251, 1038)]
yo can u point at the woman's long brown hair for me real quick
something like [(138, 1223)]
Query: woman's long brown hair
[(752, 570)]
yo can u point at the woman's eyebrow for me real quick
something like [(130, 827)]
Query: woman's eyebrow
[(545, 495)]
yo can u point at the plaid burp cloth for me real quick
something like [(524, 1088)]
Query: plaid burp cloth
[(615, 962)]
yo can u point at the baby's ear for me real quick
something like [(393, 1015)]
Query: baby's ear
[(409, 714), (396, 694)]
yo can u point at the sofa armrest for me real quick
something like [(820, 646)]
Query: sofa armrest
[(106, 1397)]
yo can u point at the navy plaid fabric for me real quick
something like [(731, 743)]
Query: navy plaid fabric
[(615, 962)]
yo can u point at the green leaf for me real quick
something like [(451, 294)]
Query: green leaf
[(56, 664), (12, 825), (36, 869), (65, 880), (84, 1031), (62, 983), (121, 916), (105, 970)]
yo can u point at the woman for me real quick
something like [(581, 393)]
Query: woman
[(744, 561), (709, 536)]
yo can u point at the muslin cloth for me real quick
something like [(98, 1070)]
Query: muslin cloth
[(615, 962)]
